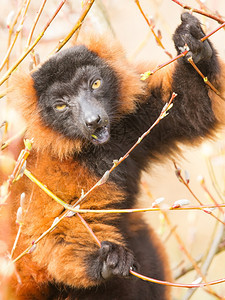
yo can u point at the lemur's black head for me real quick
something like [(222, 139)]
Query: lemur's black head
[(77, 94)]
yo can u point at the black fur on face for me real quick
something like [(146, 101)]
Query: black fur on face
[(77, 94)]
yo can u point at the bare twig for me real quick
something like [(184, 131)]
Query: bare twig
[(211, 33), (178, 273), (116, 163), (198, 11), (182, 180), (86, 7), (190, 59), (18, 30), (15, 242), (13, 138), (158, 40), (45, 189), (187, 253), (16, 64), (17, 171), (89, 230), (203, 184), (214, 180), (13, 23), (35, 23), (77, 209), (4, 93), (209, 283), (212, 252), (148, 73)]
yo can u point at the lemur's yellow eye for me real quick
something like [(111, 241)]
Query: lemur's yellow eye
[(96, 84), (60, 107)]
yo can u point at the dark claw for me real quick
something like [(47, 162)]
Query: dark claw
[(189, 33), (193, 25)]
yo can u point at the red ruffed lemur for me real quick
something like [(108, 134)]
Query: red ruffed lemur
[(85, 107)]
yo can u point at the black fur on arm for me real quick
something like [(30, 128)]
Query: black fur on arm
[(191, 117)]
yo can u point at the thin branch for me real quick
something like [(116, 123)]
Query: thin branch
[(13, 138), (89, 229), (211, 33), (21, 161), (186, 269), (158, 40), (16, 64), (148, 73), (198, 11), (18, 169), (76, 209), (4, 93), (203, 185), (18, 30), (12, 25), (35, 23), (214, 180), (86, 7), (116, 163), (187, 253), (190, 59), (16, 241), (212, 252), (183, 181), (46, 190), (167, 283)]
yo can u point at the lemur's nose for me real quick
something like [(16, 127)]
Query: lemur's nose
[(93, 121)]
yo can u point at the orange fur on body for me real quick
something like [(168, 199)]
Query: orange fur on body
[(66, 180)]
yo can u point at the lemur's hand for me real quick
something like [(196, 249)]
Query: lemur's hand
[(189, 33), (112, 260)]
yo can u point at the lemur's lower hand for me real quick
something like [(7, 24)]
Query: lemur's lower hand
[(111, 260), (189, 33)]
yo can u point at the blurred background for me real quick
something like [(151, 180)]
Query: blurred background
[(192, 230)]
